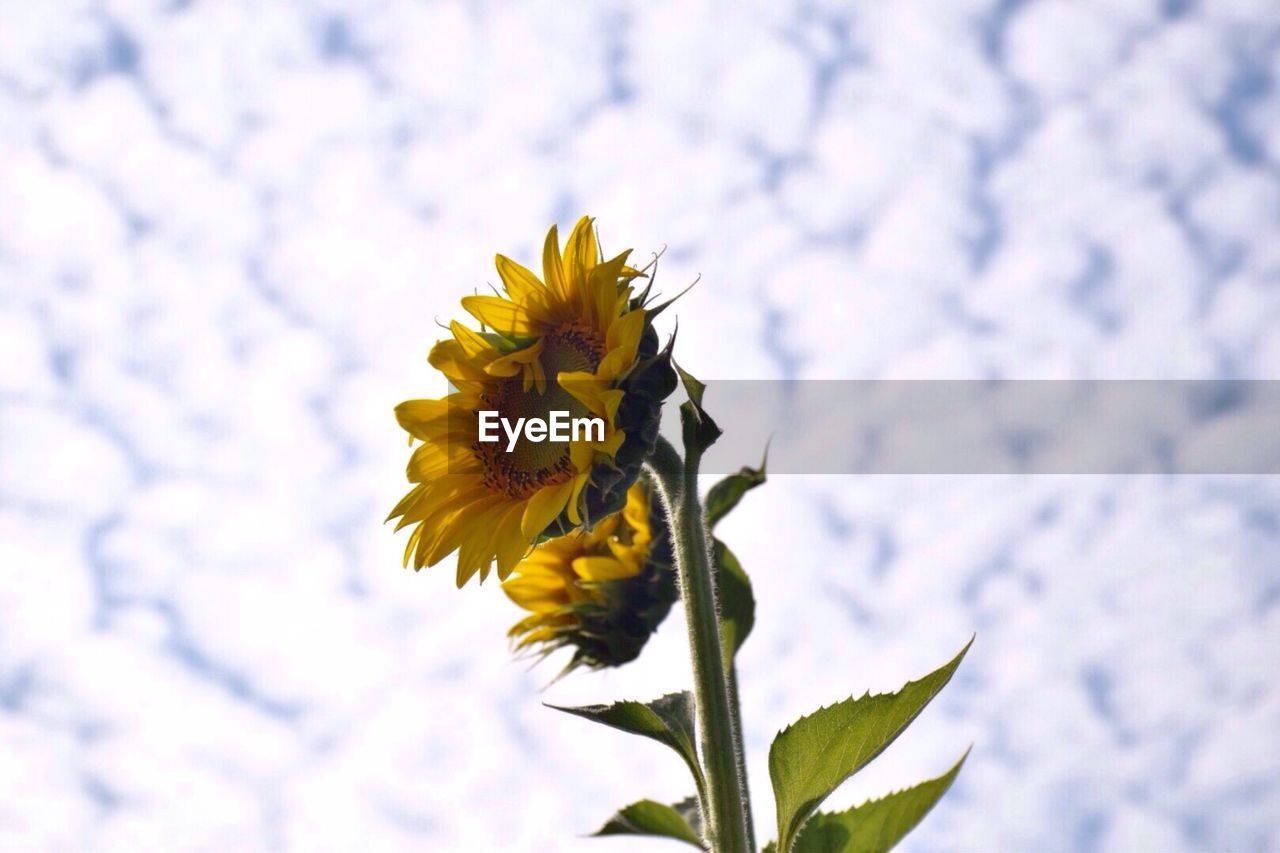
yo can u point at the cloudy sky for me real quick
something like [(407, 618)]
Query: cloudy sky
[(228, 230)]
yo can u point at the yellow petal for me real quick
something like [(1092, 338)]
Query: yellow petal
[(457, 426), (600, 569), (553, 266), (585, 388), (546, 555), (636, 509), (625, 331), (580, 252), (476, 551), (629, 555), (537, 635), (411, 546), (433, 500), (450, 358), (611, 443), (611, 398), (574, 499), (543, 507), (621, 344), (464, 573), (502, 315), (528, 623), (603, 287), (580, 454), (415, 415), (454, 527), (539, 590), (471, 341), (432, 461), (511, 363), (406, 505), (523, 286), (539, 377), (510, 543), (426, 499)]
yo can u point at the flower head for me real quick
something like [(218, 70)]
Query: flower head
[(603, 592), (579, 342)]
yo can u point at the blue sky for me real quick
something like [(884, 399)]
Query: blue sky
[(228, 230)]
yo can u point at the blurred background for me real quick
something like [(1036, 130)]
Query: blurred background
[(227, 233)]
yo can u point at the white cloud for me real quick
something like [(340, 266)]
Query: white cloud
[(226, 234)]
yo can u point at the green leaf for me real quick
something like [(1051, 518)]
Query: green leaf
[(691, 811), (648, 817), (700, 431), (668, 720), (724, 495), (737, 604), (876, 825), (813, 755)]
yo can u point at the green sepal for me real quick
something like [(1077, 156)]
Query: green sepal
[(648, 271), (699, 430), (500, 343), (642, 299), (652, 379), (812, 756), (668, 720), (658, 309), (648, 817), (613, 628)]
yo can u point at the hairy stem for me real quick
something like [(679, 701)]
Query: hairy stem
[(740, 751), (719, 742)]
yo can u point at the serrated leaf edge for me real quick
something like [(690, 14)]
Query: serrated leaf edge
[(953, 772), (957, 658), (954, 768), (622, 818), (797, 827), (689, 739)]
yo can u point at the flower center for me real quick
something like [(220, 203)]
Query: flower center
[(532, 465), (573, 346)]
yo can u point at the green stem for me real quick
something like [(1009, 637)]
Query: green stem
[(719, 742), (740, 750)]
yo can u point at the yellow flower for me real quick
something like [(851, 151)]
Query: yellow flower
[(581, 343), (602, 592)]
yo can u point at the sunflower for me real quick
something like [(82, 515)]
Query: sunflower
[(604, 592), (581, 342)]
